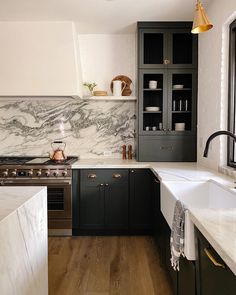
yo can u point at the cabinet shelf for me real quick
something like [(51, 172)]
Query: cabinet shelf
[(181, 112), (182, 89), (149, 112), (148, 89), (111, 98)]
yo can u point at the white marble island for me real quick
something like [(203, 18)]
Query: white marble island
[(23, 236)]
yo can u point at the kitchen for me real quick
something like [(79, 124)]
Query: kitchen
[(159, 89)]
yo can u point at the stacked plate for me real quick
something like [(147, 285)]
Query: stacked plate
[(152, 109), (179, 126), (178, 86)]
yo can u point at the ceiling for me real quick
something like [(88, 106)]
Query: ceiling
[(99, 16)]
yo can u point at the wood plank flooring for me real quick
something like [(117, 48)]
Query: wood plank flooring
[(120, 265)]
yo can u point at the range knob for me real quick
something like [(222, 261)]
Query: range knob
[(47, 173), (64, 173), (30, 173), (5, 173), (13, 173), (55, 173), (39, 173)]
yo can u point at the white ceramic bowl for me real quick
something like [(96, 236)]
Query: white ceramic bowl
[(178, 86), (152, 109)]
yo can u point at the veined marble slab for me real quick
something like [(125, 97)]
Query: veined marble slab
[(28, 126), (219, 228), (23, 236)]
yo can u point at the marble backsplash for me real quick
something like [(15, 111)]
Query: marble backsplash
[(28, 126)]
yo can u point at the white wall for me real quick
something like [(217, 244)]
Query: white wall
[(213, 83), (105, 56)]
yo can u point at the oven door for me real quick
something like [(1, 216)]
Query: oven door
[(58, 195)]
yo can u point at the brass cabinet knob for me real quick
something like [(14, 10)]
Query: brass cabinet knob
[(116, 175), (166, 61)]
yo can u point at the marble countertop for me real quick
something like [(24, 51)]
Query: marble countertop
[(218, 226), (12, 198), (164, 170)]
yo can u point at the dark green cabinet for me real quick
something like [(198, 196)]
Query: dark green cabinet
[(167, 54), (141, 200), (112, 201), (166, 45), (102, 202), (211, 278)]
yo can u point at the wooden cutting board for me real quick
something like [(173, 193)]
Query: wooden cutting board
[(127, 91)]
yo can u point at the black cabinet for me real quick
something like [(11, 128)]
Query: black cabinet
[(168, 55), (213, 275), (141, 200), (100, 203), (167, 45)]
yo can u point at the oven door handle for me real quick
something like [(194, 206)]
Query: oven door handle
[(6, 182)]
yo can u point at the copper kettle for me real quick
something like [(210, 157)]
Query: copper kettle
[(58, 154)]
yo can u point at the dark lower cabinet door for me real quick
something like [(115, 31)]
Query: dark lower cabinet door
[(212, 280), (92, 200), (117, 201), (186, 277), (141, 200)]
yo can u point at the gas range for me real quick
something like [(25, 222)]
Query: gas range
[(35, 168)]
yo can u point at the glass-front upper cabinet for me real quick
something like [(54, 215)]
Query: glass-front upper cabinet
[(182, 101), (152, 102), (167, 48)]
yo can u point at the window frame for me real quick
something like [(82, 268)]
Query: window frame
[(232, 94)]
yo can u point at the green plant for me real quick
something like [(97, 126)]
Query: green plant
[(90, 86)]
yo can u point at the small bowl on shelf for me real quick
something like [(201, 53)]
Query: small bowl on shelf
[(178, 86), (152, 109), (179, 126)]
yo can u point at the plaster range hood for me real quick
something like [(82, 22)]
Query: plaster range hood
[(39, 59)]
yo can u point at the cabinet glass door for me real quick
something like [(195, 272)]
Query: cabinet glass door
[(182, 101), (182, 49), (153, 46), (153, 102)]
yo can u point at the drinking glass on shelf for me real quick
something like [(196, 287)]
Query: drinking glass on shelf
[(147, 128), (180, 105), (174, 105), (186, 105), (160, 126)]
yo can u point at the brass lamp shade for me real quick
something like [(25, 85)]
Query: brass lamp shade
[(201, 21)]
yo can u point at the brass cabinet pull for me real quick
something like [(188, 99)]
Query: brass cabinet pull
[(116, 175), (167, 148), (92, 175), (212, 258)]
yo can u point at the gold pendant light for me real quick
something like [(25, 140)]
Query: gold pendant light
[(201, 21)]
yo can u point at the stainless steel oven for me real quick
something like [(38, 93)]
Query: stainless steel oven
[(41, 171), (59, 198)]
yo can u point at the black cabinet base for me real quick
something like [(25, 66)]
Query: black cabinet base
[(106, 232)]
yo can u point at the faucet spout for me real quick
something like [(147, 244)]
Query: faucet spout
[(213, 135)]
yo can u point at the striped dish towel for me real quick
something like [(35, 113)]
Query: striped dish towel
[(177, 235)]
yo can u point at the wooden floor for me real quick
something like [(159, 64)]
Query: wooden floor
[(105, 266)]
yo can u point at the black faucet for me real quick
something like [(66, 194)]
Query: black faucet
[(217, 133)]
